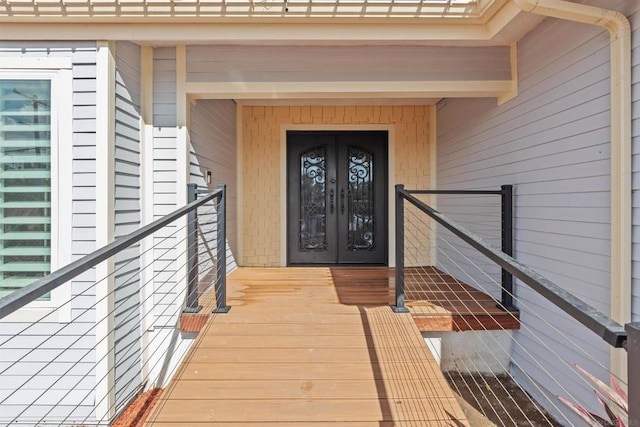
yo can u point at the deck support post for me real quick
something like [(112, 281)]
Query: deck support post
[(192, 254), (221, 253), (506, 302), (399, 306), (633, 371)]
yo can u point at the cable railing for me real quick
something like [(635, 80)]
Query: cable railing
[(533, 373), (117, 335)]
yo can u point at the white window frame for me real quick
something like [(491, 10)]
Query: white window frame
[(59, 72)]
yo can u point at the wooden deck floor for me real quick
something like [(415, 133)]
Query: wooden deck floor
[(299, 348)]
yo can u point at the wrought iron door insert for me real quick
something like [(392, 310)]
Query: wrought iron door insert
[(336, 197)]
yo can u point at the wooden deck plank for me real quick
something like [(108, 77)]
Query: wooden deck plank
[(282, 342), (303, 389), (298, 317), (306, 371), (288, 329), (303, 424), (301, 355), (292, 410)]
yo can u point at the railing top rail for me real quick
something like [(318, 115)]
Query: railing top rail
[(466, 192), (611, 331), (21, 297)]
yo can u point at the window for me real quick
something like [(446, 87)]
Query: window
[(35, 178), (25, 183)]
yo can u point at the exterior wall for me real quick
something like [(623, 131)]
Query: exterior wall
[(166, 345), (261, 155), (213, 148), (127, 316), (553, 143), (345, 63), (212, 144), (69, 384)]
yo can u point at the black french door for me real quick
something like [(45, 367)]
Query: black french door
[(337, 197)]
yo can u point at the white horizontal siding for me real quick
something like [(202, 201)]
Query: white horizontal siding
[(127, 304), (345, 63), (166, 240), (66, 389), (552, 143), (213, 148)]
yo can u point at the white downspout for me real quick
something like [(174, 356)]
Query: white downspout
[(620, 46)]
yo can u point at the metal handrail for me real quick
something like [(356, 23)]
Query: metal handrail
[(31, 292), (611, 331)]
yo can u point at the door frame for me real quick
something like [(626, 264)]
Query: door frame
[(391, 217)]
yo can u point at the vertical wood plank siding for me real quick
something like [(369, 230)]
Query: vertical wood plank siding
[(357, 63), (213, 148), (72, 394), (128, 352), (553, 143)]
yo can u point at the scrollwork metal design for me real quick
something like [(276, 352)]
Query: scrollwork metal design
[(360, 204), (312, 235)]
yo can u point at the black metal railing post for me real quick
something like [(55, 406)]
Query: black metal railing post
[(399, 306), (192, 253), (633, 372), (507, 245), (221, 253)]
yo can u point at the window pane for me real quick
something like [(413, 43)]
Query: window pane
[(25, 182)]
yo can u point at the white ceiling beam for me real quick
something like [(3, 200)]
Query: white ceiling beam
[(254, 33), (342, 90)]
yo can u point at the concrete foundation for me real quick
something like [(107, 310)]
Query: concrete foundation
[(471, 351)]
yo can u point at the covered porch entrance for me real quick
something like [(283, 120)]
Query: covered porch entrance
[(265, 93)]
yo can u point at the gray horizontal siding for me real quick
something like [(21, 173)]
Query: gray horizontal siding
[(164, 86), (552, 143), (213, 148), (345, 63), (127, 304), (65, 389)]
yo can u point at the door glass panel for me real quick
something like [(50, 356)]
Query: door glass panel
[(360, 219), (312, 236)]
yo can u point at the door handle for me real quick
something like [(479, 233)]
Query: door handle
[(342, 201), (331, 201)]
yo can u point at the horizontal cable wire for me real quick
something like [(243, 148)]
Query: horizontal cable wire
[(150, 344), (410, 293), (423, 224), (94, 326), (132, 278)]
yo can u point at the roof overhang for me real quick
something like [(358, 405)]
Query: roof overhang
[(478, 11), (500, 23)]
